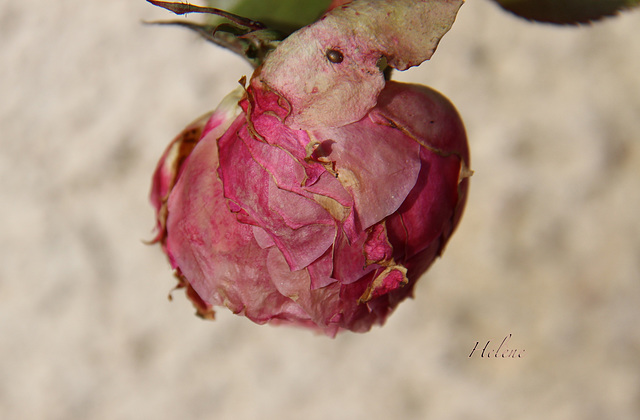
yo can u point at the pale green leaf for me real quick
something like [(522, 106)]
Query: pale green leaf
[(282, 15), (331, 72)]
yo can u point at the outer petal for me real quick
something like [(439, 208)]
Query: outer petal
[(367, 34), (435, 204), (377, 163), (169, 168), (171, 163), (264, 183), (426, 115), (217, 254)]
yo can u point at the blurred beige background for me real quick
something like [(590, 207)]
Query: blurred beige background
[(548, 250)]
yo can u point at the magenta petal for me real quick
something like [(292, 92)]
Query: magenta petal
[(377, 247), (212, 250), (301, 228), (427, 212), (318, 305), (350, 264), (172, 162), (328, 185), (267, 111), (387, 281), (170, 166), (376, 163), (263, 239), (426, 115), (321, 271)]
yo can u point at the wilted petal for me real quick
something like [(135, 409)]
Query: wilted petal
[(378, 164), (301, 228), (217, 255), (390, 279), (326, 93), (377, 248), (171, 163), (319, 195), (441, 186)]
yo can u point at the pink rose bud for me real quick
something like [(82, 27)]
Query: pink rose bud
[(294, 203)]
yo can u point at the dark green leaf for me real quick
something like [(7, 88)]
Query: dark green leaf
[(566, 11)]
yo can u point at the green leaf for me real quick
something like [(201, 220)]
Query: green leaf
[(285, 16), (248, 38), (566, 11)]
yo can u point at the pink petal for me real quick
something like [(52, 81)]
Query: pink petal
[(301, 228), (378, 164)]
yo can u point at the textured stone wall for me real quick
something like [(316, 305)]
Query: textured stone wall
[(548, 250)]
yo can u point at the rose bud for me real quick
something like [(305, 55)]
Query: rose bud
[(318, 194)]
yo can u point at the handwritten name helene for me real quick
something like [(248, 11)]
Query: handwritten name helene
[(502, 351)]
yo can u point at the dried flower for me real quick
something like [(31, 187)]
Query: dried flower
[(318, 194)]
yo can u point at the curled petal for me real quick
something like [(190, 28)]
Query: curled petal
[(328, 92)]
